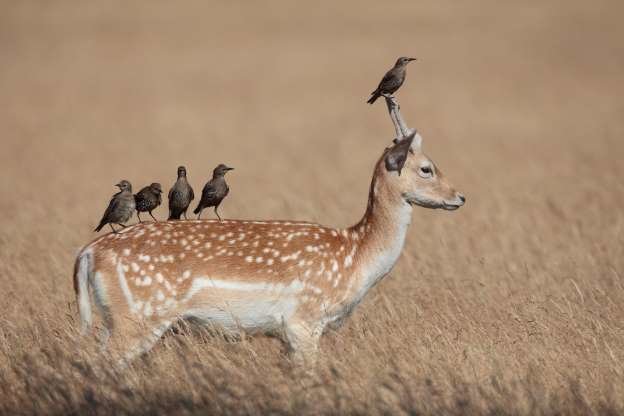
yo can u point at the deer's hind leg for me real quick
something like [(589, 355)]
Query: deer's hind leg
[(133, 339)]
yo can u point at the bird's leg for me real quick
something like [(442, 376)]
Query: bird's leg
[(199, 215), (122, 225), (217, 212), (185, 217), (151, 215), (112, 228), (139, 217)]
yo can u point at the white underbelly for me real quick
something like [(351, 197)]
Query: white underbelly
[(235, 307)]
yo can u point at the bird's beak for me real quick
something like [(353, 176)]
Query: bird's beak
[(118, 185), (412, 59), (229, 168)]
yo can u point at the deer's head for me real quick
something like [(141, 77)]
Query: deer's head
[(408, 172)]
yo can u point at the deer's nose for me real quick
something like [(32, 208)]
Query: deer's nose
[(461, 197)]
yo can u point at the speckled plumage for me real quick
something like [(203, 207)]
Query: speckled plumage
[(180, 196), (148, 199)]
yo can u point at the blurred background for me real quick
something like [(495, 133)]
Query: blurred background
[(519, 103)]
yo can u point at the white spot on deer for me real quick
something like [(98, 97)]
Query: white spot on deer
[(126, 252), (186, 274), (159, 277), (160, 295), (301, 263), (334, 266), (292, 256), (150, 267), (147, 311), (182, 255), (123, 284), (334, 233), (348, 261), (221, 237), (135, 267), (200, 255), (322, 269), (269, 262), (248, 259), (147, 280), (183, 242)]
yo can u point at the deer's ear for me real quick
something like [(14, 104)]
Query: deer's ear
[(397, 155)]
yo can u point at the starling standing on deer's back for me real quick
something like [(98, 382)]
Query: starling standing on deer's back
[(180, 196), (214, 191), (147, 199), (392, 81), (120, 208)]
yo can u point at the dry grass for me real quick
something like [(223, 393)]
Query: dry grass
[(512, 305)]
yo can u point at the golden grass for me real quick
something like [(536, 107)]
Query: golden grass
[(512, 305)]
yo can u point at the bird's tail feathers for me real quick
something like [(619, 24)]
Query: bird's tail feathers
[(196, 210), (374, 97)]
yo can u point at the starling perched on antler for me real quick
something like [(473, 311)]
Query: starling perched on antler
[(147, 199), (180, 196), (120, 208), (214, 191), (392, 81)]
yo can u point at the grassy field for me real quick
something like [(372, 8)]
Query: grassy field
[(513, 304)]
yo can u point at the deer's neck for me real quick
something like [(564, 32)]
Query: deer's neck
[(379, 237)]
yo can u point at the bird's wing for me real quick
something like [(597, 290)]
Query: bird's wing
[(385, 79), (191, 193), (112, 206), (209, 191)]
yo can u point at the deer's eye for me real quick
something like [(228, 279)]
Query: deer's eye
[(426, 171)]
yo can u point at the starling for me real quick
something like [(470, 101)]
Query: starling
[(120, 208), (214, 191), (147, 199), (392, 81), (180, 196)]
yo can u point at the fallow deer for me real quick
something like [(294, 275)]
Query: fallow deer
[(286, 277)]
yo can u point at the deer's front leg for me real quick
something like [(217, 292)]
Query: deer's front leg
[(303, 339)]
